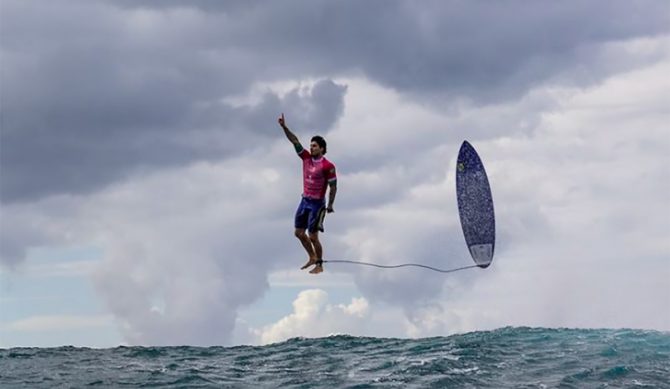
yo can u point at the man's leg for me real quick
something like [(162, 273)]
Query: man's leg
[(307, 244), (314, 239), (318, 251)]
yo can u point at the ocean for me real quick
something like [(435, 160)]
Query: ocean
[(504, 358)]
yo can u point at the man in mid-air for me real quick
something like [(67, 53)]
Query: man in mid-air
[(318, 174)]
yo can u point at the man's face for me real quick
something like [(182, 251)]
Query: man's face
[(315, 149)]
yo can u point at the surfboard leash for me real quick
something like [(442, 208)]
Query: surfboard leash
[(402, 265)]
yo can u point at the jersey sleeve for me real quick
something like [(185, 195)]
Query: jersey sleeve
[(331, 175), (302, 153)]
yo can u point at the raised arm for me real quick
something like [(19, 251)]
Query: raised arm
[(291, 136)]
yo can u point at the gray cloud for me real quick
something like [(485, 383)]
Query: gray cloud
[(91, 102), (94, 90), (481, 50), (67, 157), (142, 99)]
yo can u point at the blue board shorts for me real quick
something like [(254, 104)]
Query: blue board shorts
[(310, 214)]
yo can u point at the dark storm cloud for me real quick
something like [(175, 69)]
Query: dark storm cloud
[(72, 155), (85, 104), (92, 91), (478, 49)]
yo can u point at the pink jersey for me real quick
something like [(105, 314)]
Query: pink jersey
[(316, 174)]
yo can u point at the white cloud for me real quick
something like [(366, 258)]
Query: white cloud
[(313, 317), (177, 269), (581, 184)]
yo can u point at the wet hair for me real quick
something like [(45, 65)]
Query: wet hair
[(320, 141)]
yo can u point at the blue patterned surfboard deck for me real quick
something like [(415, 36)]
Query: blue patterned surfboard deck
[(475, 205)]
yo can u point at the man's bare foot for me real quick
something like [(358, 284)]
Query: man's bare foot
[(317, 269), (308, 264)]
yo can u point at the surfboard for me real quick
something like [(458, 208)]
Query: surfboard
[(475, 205)]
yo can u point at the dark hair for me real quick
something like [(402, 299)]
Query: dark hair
[(320, 141)]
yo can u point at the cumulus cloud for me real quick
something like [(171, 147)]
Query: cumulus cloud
[(581, 214), (177, 275), (313, 316)]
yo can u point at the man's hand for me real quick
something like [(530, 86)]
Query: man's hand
[(330, 209), (291, 136)]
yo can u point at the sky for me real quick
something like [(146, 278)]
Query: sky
[(147, 193)]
